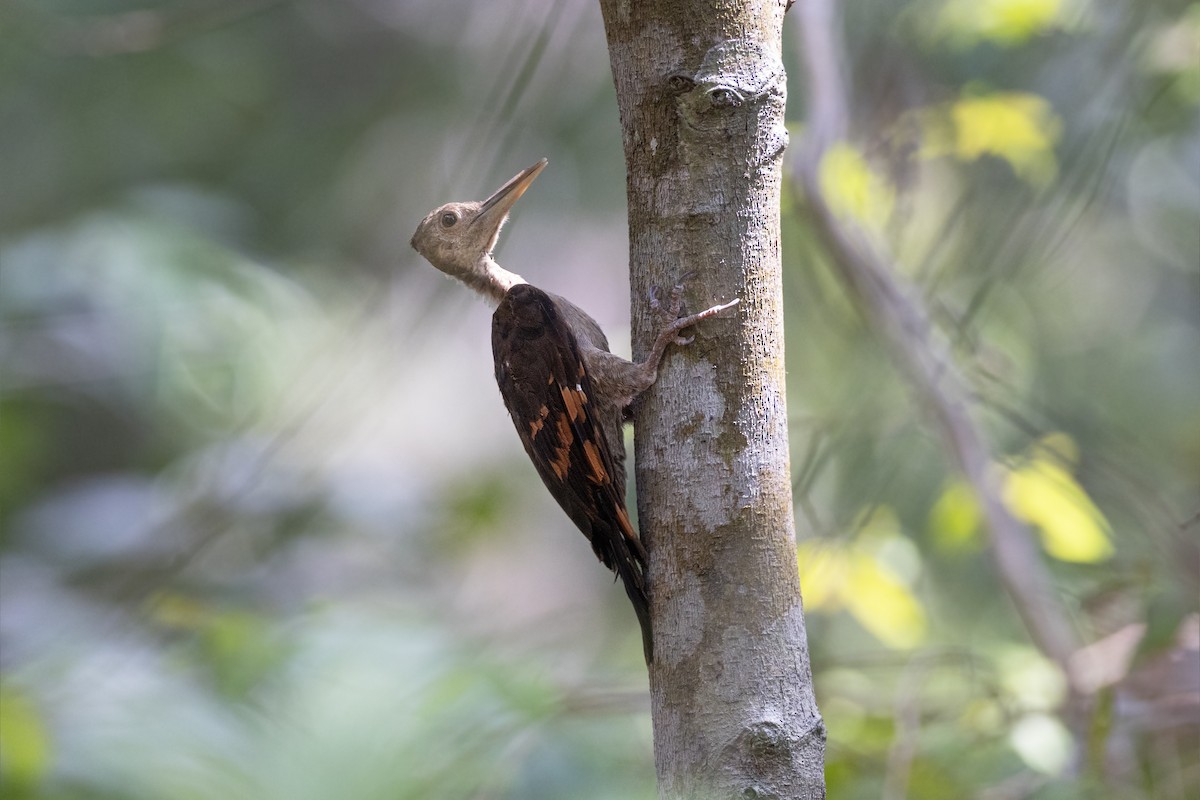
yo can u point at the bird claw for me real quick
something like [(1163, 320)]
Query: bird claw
[(673, 310), (674, 319)]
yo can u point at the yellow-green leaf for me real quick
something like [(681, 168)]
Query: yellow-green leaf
[(822, 569), (857, 576), (1004, 22), (1045, 495), (853, 189), (883, 604), (24, 743), (1018, 127), (955, 517)]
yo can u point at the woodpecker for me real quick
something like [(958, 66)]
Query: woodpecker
[(566, 393)]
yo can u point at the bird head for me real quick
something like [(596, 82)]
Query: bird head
[(458, 238)]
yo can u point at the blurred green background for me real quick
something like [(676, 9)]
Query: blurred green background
[(265, 529)]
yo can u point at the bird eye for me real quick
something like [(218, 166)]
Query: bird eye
[(448, 219)]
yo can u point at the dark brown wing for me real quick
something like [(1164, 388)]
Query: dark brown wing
[(550, 397)]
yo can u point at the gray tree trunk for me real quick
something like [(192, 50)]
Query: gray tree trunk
[(701, 90)]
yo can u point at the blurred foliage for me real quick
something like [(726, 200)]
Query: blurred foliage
[(265, 531), (1044, 494), (854, 190), (871, 577), (1017, 127), (1004, 22)]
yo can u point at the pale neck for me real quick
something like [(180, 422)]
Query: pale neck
[(492, 280)]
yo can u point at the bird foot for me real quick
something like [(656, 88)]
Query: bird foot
[(674, 320)]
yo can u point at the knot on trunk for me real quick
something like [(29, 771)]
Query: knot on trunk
[(734, 76)]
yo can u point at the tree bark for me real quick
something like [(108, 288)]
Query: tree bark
[(701, 90)]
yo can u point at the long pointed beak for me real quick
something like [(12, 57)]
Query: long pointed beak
[(493, 210)]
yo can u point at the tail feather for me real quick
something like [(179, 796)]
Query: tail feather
[(635, 589), (630, 566)]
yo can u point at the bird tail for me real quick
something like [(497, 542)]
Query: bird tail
[(629, 563), (630, 567)]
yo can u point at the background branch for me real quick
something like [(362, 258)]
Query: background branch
[(898, 317)]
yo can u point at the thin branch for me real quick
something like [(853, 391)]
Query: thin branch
[(898, 317)]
